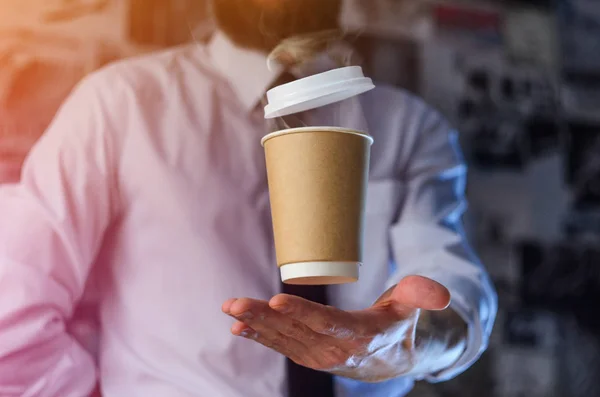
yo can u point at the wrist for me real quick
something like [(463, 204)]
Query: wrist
[(440, 340)]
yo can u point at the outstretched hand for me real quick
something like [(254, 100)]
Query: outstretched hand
[(370, 345)]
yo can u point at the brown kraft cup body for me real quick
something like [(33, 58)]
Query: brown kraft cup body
[(317, 184)]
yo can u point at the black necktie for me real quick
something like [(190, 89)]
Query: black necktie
[(302, 381)]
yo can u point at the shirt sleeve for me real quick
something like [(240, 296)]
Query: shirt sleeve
[(428, 238), (51, 226)]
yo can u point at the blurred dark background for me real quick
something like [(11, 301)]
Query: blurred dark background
[(519, 79)]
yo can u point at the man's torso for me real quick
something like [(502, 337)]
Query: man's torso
[(194, 229)]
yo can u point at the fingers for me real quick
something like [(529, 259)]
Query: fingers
[(421, 293), (279, 344), (272, 325), (241, 329), (226, 308), (321, 319), (259, 322)]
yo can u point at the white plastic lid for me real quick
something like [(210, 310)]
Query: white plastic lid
[(316, 91)]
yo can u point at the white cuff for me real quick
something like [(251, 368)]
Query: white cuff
[(473, 298), (474, 347)]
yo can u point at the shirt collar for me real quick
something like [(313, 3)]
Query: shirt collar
[(245, 70)]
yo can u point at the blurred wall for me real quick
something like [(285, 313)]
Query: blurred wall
[(46, 47)]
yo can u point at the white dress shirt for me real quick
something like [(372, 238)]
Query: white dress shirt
[(147, 196)]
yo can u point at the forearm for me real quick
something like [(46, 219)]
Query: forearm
[(58, 368), (37, 356)]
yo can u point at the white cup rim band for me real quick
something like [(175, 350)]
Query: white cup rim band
[(313, 129)]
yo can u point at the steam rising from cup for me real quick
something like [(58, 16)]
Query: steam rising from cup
[(302, 50)]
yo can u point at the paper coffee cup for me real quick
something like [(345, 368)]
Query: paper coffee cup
[(317, 184), (318, 176)]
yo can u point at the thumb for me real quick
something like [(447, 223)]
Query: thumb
[(417, 292)]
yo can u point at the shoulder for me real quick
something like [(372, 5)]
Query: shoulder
[(401, 120), (107, 102), (407, 131), (393, 105), (126, 82)]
